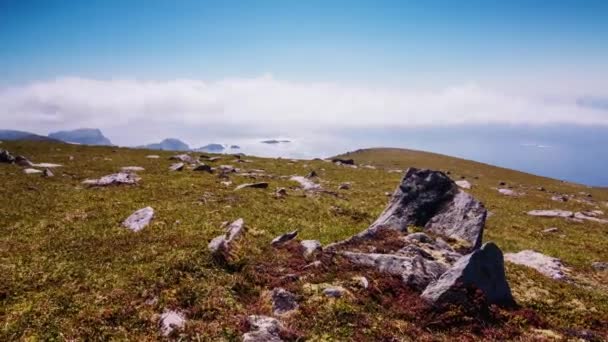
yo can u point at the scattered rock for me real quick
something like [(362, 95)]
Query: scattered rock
[(600, 266), (589, 216), (540, 188), (334, 291), (314, 264), (221, 244), (260, 185), (279, 240), (483, 269), (213, 159), (226, 183), (551, 213), (170, 321), (549, 266), (311, 247), (263, 329), (176, 167), (6, 157), (312, 174), (559, 198), (507, 192), (22, 161), (283, 301), (139, 219), (204, 168), (47, 173), (551, 230), (114, 179), (280, 193), (185, 158), (361, 281), (30, 171), (343, 161), (344, 186), (132, 169), (464, 184), (47, 165), (305, 183), (416, 271), (152, 156)]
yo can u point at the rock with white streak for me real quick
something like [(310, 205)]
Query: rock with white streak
[(279, 240), (263, 329), (549, 266), (114, 179), (171, 321), (139, 219)]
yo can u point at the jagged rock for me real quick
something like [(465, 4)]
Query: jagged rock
[(153, 156), (139, 219), (280, 193), (464, 184), (312, 174), (549, 266), (263, 329), (551, 213), (204, 168), (132, 169), (6, 157), (260, 185), (483, 269), (114, 179), (47, 173), (344, 186), (414, 271), (279, 240), (171, 320), (600, 266), (221, 244), (334, 291), (283, 301), (305, 183), (22, 161), (310, 247), (185, 158), (559, 198), (343, 161), (176, 167), (29, 171), (551, 230)]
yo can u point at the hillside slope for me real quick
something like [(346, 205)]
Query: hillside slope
[(71, 271)]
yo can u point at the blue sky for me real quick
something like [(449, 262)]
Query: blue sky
[(354, 41)]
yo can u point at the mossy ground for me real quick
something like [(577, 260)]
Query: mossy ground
[(70, 271)]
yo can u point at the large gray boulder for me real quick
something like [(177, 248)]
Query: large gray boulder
[(6, 157), (430, 199), (483, 269)]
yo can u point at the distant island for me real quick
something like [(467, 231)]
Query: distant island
[(274, 141), (84, 136), (169, 144)]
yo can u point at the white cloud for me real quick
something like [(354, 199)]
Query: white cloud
[(142, 111)]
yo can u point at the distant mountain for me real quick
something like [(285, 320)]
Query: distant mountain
[(235, 147), (212, 148), (84, 136), (273, 141), (7, 134), (170, 144)]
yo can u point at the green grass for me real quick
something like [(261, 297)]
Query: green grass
[(69, 270)]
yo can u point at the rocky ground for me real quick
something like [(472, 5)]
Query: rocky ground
[(379, 244)]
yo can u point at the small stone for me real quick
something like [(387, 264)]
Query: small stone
[(227, 168), (31, 171), (171, 321), (334, 291), (151, 156), (114, 179), (600, 266), (132, 169), (463, 184), (204, 168), (139, 219), (305, 183), (311, 247), (361, 281), (226, 183), (47, 173), (344, 186), (260, 185), (283, 301), (312, 174), (279, 240), (221, 244), (540, 188), (507, 192), (551, 230), (176, 167), (551, 213), (280, 193), (559, 198)]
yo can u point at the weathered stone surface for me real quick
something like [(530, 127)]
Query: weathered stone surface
[(139, 219), (176, 167), (305, 183), (170, 321), (204, 168), (185, 158), (227, 168), (283, 301), (600, 266), (47, 173), (263, 329), (114, 179), (589, 216), (415, 271), (419, 237), (310, 247), (551, 213), (221, 244), (22, 161), (549, 266), (483, 269), (464, 184), (30, 171), (279, 240), (259, 185), (132, 169), (6, 157)]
